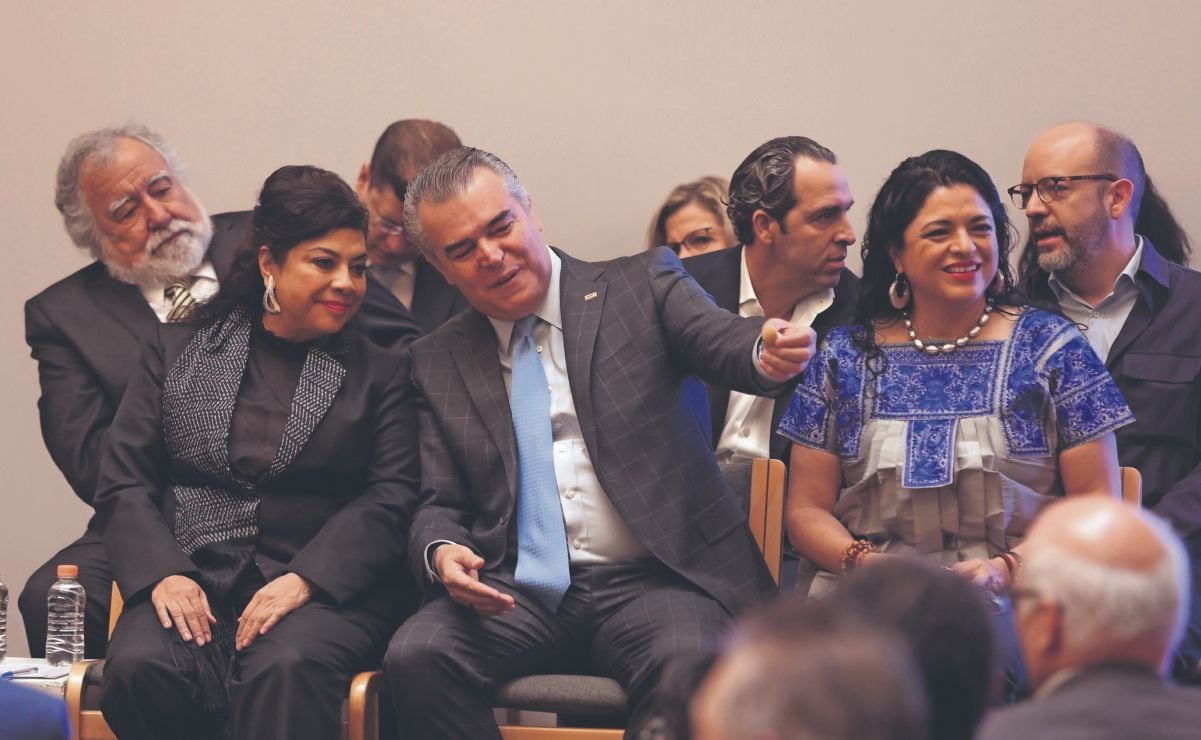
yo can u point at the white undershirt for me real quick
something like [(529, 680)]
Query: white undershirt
[(596, 533), (747, 431)]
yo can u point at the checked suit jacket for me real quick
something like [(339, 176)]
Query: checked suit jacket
[(635, 329)]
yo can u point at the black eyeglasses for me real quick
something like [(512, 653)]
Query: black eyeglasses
[(1049, 188), (698, 240)]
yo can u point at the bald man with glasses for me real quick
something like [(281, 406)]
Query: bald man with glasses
[(1106, 249)]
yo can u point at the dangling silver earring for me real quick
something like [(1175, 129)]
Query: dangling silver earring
[(899, 293), (270, 304)]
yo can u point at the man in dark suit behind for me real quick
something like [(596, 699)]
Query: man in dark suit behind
[(1105, 248), (1100, 604), (788, 204), (124, 201), (573, 510), (401, 151)]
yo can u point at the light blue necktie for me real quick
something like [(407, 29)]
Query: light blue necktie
[(542, 563)]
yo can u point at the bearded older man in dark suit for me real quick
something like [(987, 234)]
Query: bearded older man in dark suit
[(124, 200)]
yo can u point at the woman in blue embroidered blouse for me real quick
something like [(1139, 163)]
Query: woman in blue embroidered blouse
[(942, 422)]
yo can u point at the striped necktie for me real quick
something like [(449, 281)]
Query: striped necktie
[(181, 299)]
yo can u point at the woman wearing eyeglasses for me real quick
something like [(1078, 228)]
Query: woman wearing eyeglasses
[(941, 423), (693, 219)]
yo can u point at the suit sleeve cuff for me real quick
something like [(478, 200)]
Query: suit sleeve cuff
[(430, 549)]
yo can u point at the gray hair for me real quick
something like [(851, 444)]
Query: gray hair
[(100, 144), (1106, 605), (446, 177), (846, 685)]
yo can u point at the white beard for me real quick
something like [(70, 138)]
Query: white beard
[(160, 265)]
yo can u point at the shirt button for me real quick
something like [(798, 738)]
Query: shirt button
[(570, 493), (558, 425), (538, 349), (561, 447), (746, 432), (1096, 314), (577, 543)]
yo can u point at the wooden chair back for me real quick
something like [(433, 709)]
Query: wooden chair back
[(1132, 486)]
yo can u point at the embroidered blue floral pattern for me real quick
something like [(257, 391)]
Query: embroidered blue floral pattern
[(929, 453), (1044, 385), (821, 416), (955, 385)]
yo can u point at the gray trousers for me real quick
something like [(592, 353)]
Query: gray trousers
[(622, 621)]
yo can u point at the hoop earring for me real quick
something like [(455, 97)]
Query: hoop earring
[(899, 293), (270, 304), (997, 286)]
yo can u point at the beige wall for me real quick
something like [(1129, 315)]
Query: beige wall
[(600, 106)]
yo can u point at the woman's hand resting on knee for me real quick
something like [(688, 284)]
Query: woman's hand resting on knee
[(180, 601), (270, 604)]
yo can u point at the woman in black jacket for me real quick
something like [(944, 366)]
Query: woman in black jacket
[(257, 490)]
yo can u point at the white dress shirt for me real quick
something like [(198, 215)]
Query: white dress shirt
[(401, 280), (1103, 322), (747, 431), (596, 533), (204, 287)]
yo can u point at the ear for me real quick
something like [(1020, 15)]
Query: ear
[(533, 214), (267, 264), (761, 225), (1121, 192), (363, 181), (894, 254)]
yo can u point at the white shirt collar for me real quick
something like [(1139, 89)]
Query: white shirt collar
[(550, 311), (804, 312), (154, 293), (1129, 272)]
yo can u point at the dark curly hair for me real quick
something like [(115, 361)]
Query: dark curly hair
[(764, 181), (297, 203), (896, 205)]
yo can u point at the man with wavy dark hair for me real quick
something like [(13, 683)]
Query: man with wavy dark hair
[(788, 205), (1105, 247)]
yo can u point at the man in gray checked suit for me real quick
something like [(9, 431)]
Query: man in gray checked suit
[(573, 518)]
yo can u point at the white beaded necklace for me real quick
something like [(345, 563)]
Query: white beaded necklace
[(949, 347)]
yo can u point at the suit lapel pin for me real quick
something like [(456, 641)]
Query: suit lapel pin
[(590, 296)]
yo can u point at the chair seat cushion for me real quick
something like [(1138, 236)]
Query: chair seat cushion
[(562, 694)]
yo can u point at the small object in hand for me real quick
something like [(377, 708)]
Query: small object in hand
[(770, 335)]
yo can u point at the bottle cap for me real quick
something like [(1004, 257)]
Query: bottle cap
[(68, 571)]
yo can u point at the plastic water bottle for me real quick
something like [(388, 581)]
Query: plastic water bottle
[(64, 623), (3, 621)]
